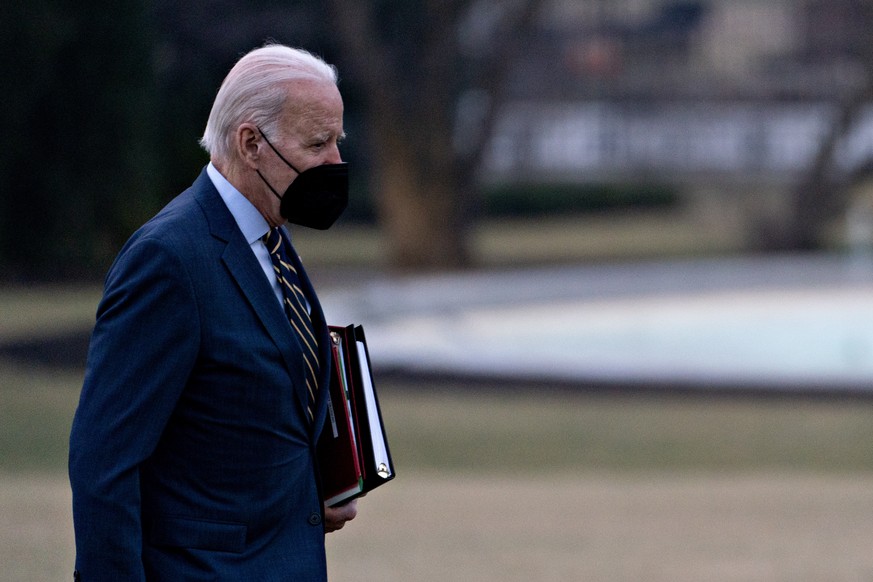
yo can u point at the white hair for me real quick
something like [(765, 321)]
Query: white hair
[(254, 91)]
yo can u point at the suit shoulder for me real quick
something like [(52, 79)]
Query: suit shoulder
[(181, 220), (180, 229)]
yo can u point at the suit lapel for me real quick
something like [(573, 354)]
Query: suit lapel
[(246, 271)]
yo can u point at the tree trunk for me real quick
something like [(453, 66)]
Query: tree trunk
[(823, 191), (422, 187), (418, 212)]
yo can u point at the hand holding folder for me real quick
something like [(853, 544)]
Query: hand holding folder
[(353, 454)]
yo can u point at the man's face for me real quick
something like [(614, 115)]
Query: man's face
[(309, 134)]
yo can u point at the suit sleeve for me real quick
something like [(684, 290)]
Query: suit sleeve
[(143, 347)]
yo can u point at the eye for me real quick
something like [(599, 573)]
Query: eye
[(326, 141)]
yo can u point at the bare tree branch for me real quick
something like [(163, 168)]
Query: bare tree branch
[(506, 48), (408, 58), (823, 191)]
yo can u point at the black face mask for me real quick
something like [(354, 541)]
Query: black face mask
[(316, 197)]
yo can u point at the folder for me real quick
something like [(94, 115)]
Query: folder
[(353, 453)]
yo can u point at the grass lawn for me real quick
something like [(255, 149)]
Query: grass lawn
[(519, 485), (463, 430), (528, 486)]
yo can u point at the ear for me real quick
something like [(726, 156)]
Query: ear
[(248, 144)]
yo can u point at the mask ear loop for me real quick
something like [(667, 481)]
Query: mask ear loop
[(281, 157), (273, 190)]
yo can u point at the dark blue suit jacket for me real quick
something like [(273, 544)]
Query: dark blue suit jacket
[(190, 455)]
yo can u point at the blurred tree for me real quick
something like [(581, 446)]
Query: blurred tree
[(106, 101), (433, 74), (822, 192), (109, 98), (76, 110)]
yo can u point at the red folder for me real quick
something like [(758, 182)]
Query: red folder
[(353, 453)]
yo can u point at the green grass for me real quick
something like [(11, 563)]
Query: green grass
[(543, 432), (463, 430), (46, 309), (36, 410)]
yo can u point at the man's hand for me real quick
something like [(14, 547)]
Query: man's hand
[(336, 517)]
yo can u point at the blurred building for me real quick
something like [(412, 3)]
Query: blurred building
[(700, 48), (714, 95)]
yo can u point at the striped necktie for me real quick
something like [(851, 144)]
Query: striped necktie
[(295, 309)]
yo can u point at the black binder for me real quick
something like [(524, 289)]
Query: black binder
[(353, 453)]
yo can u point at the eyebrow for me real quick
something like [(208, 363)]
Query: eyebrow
[(325, 136)]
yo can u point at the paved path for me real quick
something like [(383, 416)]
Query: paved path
[(783, 322)]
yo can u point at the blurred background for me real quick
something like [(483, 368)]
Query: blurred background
[(614, 259), (745, 122)]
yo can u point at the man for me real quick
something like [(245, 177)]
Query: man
[(192, 450)]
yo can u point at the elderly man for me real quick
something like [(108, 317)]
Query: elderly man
[(192, 453)]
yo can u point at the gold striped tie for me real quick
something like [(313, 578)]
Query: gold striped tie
[(295, 309)]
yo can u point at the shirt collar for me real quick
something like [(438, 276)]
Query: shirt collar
[(250, 221)]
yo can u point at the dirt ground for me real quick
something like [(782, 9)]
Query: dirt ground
[(653, 527)]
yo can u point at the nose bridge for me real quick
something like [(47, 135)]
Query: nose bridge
[(334, 156)]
